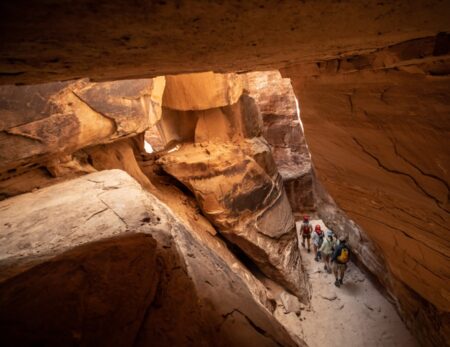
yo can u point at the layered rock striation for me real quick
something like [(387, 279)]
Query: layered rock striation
[(42, 126)]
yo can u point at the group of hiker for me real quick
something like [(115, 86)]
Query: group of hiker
[(334, 253)]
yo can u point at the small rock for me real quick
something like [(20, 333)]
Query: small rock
[(328, 296), (290, 303)]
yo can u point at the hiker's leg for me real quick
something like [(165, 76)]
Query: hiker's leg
[(335, 271), (316, 254), (326, 260), (308, 242), (303, 241), (342, 271)]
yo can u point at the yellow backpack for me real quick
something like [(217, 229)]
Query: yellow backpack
[(343, 257)]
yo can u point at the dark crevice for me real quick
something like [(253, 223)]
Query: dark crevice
[(252, 324)]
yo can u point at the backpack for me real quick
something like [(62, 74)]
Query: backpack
[(306, 228), (344, 256)]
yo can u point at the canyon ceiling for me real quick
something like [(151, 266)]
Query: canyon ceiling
[(373, 83)]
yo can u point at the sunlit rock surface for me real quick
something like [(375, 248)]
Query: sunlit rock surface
[(277, 104), (115, 266)]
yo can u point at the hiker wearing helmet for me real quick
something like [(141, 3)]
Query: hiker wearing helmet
[(327, 249), (340, 259), (305, 232), (317, 239)]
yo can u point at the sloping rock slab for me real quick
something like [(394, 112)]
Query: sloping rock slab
[(99, 261), (235, 192)]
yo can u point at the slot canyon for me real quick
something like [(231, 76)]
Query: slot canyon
[(157, 159)]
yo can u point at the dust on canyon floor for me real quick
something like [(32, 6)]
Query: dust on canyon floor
[(356, 314)]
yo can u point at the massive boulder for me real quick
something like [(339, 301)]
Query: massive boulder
[(282, 129), (113, 265), (215, 149), (245, 203), (377, 126)]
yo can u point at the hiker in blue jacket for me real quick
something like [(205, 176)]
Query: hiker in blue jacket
[(340, 259)]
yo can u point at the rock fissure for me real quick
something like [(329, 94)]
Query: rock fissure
[(404, 233), (434, 177), (256, 327), (113, 211), (397, 172)]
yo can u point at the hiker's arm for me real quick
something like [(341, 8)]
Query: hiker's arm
[(335, 254), (322, 245)]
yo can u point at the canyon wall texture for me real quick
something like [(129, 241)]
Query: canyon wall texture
[(118, 39), (378, 128)]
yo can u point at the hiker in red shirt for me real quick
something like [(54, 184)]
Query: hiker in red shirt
[(317, 239), (305, 232)]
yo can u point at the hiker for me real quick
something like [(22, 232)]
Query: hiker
[(340, 259), (305, 232), (317, 239), (327, 249)]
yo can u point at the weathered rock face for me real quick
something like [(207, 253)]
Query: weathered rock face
[(377, 125), (42, 121), (114, 265), (248, 206), (43, 128), (219, 155), (121, 39), (282, 129)]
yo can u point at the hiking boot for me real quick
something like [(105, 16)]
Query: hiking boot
[(337, 283), (303, 244), (329, 271), (309, 251), (316, 259), (341, 281)]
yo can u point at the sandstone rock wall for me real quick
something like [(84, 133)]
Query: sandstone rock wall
[(216, 151), (282, 129), (377, 126), (115, 266)]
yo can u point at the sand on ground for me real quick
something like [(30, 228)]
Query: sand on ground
[(356, 314)]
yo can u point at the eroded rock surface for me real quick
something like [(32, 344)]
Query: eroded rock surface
[(248, 206), (114, 265), (41, 121)]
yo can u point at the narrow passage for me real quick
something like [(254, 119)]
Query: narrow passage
[(356, 314)]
